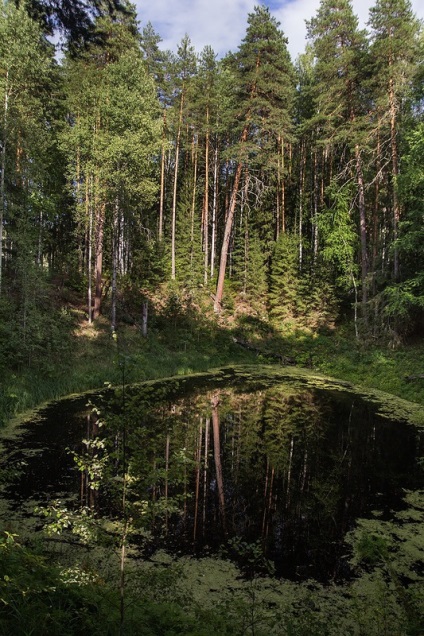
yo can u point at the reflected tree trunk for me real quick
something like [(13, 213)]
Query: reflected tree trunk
[(266, 522), (88, 494), (217, 457), (197, 488), (305, 470), (289, 472), (265, 514), (144, 317), (166, 479), (205, 471)]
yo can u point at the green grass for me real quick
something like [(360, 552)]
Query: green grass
[(98, 358), (191, 344)]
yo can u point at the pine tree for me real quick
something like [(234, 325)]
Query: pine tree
[(264, 90), (394, 55), (340, 52), (76, 19), (184, 68), (403, 301), (206, 95)]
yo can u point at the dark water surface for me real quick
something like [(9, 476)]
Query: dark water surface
[(280, 472)]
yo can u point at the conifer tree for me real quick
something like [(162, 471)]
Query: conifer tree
[(76, 19), (184, 68), (284, 278), (264, 88), (394, 55), (404, 299), (206, 105), (340, 50)]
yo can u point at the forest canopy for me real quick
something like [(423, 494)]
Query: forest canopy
[(292, 188)]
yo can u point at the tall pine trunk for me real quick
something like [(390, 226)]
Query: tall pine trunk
[(174, 195), (395, 174), (228, 229), (89, 212), (362, 229), (115, 244), (283, 191), (162, 179), (195, 148), (206, 203), (100, 221), (214, 211)]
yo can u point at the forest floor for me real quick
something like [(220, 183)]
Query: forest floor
[(185, 339)]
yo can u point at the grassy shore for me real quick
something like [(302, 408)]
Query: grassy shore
[(193, 344)]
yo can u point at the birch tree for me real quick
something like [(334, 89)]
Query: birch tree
[(26, 74), (111, 144)]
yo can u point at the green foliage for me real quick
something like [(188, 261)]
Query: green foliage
[(371, 550), (80, 523), (106, 104), (249, 267), (338, 235), (35, 332), (339, 49), (403, 301), (265, 80), (297, 298), (394, 551), (249, 557), (397, 546), (189, 256), (35, 599), (284, 278)]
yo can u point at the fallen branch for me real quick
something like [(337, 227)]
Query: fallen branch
[(416, 376)]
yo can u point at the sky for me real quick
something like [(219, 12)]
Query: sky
[(222, 23)]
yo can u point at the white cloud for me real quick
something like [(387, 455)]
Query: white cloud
[(222, 23), (218, 23), (292, 16)]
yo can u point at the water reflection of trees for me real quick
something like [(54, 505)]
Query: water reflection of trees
[(291, 468)]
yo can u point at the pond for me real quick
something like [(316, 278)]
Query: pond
[(258, 471)]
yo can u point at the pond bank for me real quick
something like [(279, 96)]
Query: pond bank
[(97, 359), (387, 405)]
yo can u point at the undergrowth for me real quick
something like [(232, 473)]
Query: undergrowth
[(185, 337)]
